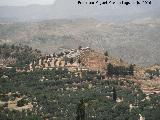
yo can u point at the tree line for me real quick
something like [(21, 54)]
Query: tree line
[(120, 70)]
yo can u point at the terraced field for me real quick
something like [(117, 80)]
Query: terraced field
[(55, 95)]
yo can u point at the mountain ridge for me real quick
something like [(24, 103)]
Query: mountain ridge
[(133, 41), (71, 10)]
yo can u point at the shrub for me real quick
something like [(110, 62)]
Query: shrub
[(4, 98), (22, 102)]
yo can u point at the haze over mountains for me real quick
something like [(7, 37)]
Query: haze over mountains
[(135, 42), (69, 9), (66, 25)]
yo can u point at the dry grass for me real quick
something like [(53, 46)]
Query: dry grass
[(151, 83)]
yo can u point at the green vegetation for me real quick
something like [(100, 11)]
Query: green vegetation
[(16, 115), (63, 95), (22, 102), (119, 70), (153, 73), (114, 94), (4, 98), (106, 53), (71, 61), (81, 110), (22, 53)]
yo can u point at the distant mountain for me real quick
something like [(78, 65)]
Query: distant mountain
[(70, 9), (136, 41)]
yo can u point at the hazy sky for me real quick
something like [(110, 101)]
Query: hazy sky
[(24, 2)]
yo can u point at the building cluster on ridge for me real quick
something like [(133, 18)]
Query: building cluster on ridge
[(69, 59)]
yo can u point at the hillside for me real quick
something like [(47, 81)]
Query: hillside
[(24, 59), (136, 42), (17, 55), (55, 94), (98, 61), (56, 86)]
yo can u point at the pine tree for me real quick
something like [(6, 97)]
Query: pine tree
[(80, 47), (79, 61), (106, 53), (106, 59), (114, 94), (81, 110), (110, 69), (131, 70), (71, 61)]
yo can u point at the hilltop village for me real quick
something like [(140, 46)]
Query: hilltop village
[(78, 61), (74, 60), (81, 59), (70, 59), (86, 59), (47, 87)]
